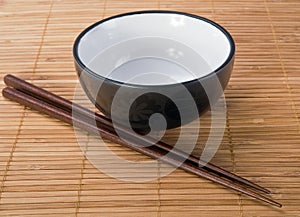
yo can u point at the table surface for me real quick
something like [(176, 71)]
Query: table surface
[(43, 170)]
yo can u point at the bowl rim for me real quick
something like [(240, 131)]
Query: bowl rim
[(83, 67)]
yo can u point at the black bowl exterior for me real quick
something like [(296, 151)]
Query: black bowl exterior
[(153, 102), (102, 91)]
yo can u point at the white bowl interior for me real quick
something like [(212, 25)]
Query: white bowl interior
[(154, 48)]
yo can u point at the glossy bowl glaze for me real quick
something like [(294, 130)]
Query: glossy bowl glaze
[(149, 58)]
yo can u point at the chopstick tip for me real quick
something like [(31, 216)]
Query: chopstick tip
[(279, 205)]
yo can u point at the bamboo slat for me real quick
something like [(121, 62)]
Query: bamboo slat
[(43, 170)]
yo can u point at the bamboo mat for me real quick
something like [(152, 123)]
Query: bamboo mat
[(42, 169)]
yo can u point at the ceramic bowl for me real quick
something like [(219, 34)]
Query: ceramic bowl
[(138, 64)]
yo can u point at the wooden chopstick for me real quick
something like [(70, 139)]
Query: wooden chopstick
[(53, 111), (67, 105)]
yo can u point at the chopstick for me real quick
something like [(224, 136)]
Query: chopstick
[(102, 121), (156, 153), (29, 99)]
